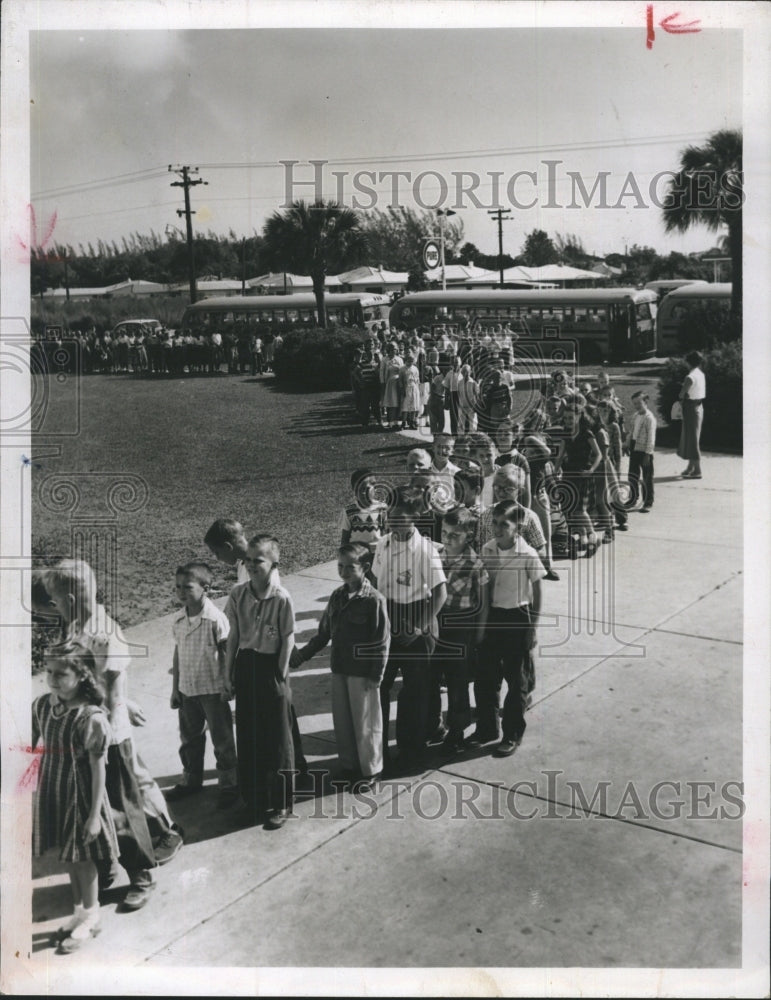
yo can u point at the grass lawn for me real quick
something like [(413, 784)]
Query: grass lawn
[(206, 447)]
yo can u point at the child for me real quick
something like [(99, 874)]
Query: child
[(509, 455), (482, 450), (408, 572), (468, 490), (198, 687), (461, 628), (444, 445), (357, 623), (641, 445), (468, 392), (436, 397), (508, 484), (71, 811), (131, 789), (259, 644), (364, 520), (515, 604), (226, 540), (409, 381)]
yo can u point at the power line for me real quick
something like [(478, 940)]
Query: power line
[(151, 173)]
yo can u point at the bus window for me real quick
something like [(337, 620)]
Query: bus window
[(580, 317), (292, 316), (644, 310), (598, 316), (307, 316), (332, 315)]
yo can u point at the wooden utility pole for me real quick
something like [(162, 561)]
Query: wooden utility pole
[(501, 213), (188, 213)]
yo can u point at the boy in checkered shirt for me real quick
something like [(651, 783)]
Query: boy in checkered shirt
[(198, 687), (461, 628)]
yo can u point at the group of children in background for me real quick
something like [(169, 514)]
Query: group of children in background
[(441, 569)]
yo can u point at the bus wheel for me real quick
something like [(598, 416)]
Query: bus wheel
[(590, 353)]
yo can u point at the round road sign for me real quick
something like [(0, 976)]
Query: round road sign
[(431, 255)]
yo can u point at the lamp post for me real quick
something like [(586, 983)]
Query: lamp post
[(443, 213)]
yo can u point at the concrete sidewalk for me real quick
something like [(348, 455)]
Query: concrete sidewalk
[(584, 859)]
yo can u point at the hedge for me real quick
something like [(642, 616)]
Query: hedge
[(317, 359), (722, 428)]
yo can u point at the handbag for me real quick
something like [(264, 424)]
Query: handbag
[(677, 411)]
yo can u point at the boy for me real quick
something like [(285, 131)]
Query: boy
[(131, 790), (418, 460), (408, 572), (461, 628), (356, 621), (444, 445), (515, 604), (226, 540), (364, 520), (198, 684), (259, 645), (509, 455), (640, 445)]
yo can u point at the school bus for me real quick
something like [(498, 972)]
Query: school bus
[(682, 302), (613, 324), (287, 312)]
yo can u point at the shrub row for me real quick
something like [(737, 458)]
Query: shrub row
[(317, 359)]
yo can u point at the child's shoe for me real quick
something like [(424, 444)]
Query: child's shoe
[(453, 744), (67, 928), (88, 927), (276, 819)]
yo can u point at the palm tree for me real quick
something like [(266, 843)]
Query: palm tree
[(314, 239), (708, 190)]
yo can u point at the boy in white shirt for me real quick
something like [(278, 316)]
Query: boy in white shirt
[(515, 572), (200, 633), (407, 569), (641, 445)]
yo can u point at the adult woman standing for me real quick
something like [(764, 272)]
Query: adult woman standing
[(692, 401), (409, 385), (390, 367)]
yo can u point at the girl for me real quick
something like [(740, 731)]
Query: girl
[(608, 414), (578, 460), (468, 392), (536, 447), (71, 810), (692, 398), (409, 383)]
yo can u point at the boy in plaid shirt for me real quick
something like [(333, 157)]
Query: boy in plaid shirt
[(461, 628), (198, 687)]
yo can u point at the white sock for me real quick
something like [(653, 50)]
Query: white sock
[(77, 917), (88, 923)]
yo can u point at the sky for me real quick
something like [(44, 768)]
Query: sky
[(112, 109)]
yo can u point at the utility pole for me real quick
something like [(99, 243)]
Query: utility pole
[(502, 213), (443, 213), (188, 213)]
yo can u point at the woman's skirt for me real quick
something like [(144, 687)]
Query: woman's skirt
[(693, 415)]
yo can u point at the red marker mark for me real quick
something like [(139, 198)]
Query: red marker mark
[(29, 778), (35, 243), (678, 29), (668, 24)]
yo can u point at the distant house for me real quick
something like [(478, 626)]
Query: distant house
[(140, 289), (607, 271), (373, 279), (207, 288), (463, 276), (717, 258), (286, 283)]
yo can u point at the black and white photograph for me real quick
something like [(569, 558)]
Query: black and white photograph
[(384, 533)]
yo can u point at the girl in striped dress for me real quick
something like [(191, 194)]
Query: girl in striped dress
[(71, 814)]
